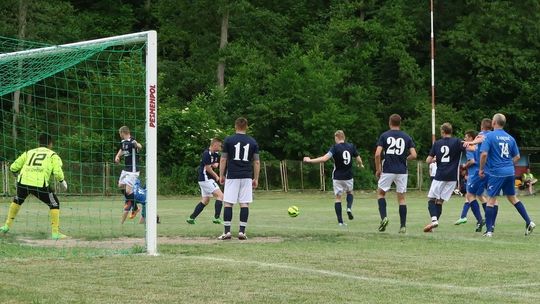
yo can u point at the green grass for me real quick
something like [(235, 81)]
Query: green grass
[(307, 259)]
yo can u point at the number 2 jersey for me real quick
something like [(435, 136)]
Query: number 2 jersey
[(240, 150), (396, 145), (501, 148), (448, 152), (343, 154), (36, 166)]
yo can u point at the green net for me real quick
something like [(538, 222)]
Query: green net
[(81, 95)]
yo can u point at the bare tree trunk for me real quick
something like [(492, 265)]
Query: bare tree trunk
[(23, 10), (222, 44)]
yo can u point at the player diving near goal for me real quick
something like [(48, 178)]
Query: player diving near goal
[(129, 149), (34, 168), (343, 154), (208, 180)]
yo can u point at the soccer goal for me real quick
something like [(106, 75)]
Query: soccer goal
[(82, 93)]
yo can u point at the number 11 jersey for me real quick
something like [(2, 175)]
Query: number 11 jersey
[(240, 150)]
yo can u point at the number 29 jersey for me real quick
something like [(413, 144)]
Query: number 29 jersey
[(344, 155), (396, 145), (240, 151)]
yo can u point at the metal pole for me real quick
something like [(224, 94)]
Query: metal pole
[(432, 77)]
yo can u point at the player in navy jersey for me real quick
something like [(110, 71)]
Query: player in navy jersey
[(239, 169), (208, 180), (448, 151), (500, 151), (394, 148), (129, 149), (343, 154)]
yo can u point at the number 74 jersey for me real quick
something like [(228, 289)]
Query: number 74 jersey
[(240, 150), (396, 145), (36, 166)]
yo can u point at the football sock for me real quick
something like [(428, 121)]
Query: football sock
[(12, 213), (55, 220), (217, 207), (490, 214), (131, 198), (475, 208), (227, 218), (523, 212), (350, 198), (484, 207), (382, 207), (432, 208), (439, 210), (337, 207), (244, 214), (465, 209), (403, 215), (198, 209), (496, 208)]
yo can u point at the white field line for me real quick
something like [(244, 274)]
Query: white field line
[(488, 290)]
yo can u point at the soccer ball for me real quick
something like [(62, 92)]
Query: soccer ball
[(293, 211)]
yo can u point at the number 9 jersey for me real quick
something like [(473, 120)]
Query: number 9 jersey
[(36, 166), (396, 145)]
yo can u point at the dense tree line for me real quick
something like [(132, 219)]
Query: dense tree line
[(300, 69)]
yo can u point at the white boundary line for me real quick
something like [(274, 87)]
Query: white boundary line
[(488, 290)]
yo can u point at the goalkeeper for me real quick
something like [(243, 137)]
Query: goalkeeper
[(34, 168)]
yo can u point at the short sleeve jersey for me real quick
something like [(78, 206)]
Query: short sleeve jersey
[(131, 155), (207, 158), (343, 155), (501, 148), (478, 152), (396, 145), (36, 166), (472, 169), (240, 150), (448, 152)]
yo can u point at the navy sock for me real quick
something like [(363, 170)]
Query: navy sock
[(244, 214), (227, 218), (475, 208), (496, 208), (490, 215), (403, 215), (217, 208), (350, 198), (337, 207), (465, 210), (382, 207), (439, 210), (523, 212), (484, 207), (432, 208), (198, 209)]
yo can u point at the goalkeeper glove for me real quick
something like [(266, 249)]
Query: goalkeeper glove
[(63, 184)]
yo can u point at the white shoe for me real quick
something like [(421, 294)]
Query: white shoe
[(225, 236), (530, 228), (488, 234), (242, 236), (342, 225)]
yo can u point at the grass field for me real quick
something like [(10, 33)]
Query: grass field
[(307, 259)]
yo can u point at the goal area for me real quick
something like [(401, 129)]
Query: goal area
[(81, 94)]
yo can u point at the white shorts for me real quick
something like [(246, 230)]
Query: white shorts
[(208, 187), (128, 178), (238, 191), (341, 186), (441, 190), (386, 180)]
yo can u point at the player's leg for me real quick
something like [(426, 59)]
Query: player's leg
[(218, 205), (401, 188), (350, 198), (510, 193), (338, 189), (245, 197), (198, 208), (463, 217), (46, 195), (383, 185), (230, 197), (131, 179), (15, 206)]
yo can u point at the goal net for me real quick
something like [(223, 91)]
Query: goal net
[(81, 94)]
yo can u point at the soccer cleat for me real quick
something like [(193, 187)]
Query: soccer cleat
[(217, 220), (403, 229), (342, 225), (242, 236), (349, 214), (530, 228), (480, 225), (461, 221), (384, 223), (429, 227), (225, 236), (158, 220), (58, 236), (488, 234), (190, 221), (4, 229), (133, 213)]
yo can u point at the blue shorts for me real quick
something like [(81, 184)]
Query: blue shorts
[(477, 185), (504, 183)]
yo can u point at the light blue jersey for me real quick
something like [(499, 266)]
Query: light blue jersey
[(501, 148)]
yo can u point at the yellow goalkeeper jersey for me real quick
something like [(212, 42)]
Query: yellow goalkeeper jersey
[(36, 166)]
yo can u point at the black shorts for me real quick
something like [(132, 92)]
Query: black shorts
[(44, 194)]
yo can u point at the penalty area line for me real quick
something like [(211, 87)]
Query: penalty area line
[(468, 289)]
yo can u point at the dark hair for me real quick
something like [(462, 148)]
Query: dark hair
[(471, 133), (395, 120), (486, 124), (45, 139), (241, 123)]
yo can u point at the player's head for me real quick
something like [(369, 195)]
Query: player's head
[(470, 135), (45, 140), (241, 124), (446, 129), (499, 120), (485, 125), (124, 132), (394, 120), (215, 144), (339, 136)]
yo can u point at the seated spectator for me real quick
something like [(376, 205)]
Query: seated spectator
[(529, 180)]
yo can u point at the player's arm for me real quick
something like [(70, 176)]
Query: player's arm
[(483, 159), (359, 161), (256, 170), (56, 163), (378, 164), (412, 154), (118, 155), (18, 163), (222, 167), (211, 172), (137, 145), (430, 159), (320, 159), (516, 158)]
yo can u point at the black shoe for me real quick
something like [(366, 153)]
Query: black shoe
[(480, 225), (349, 214)]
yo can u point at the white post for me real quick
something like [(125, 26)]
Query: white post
[(151, 143)]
